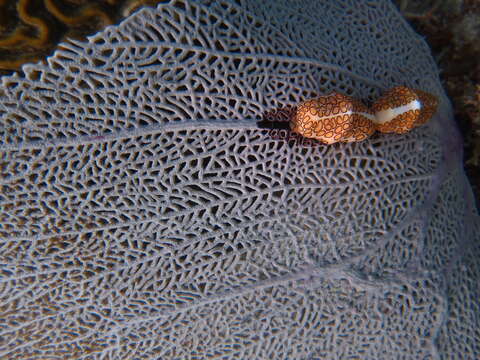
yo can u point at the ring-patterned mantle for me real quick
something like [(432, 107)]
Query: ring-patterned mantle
[(339, 118)]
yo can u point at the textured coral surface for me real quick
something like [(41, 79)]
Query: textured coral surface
[(145, 215)]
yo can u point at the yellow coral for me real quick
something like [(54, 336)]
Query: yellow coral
[(38, 25)]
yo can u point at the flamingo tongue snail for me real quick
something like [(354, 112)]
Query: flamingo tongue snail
[(339, 118), (332, 118), (397, 110), (362, 122), (429, 106), (401, 109)]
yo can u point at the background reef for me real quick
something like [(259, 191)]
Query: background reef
[(452, 29), (30, 31)]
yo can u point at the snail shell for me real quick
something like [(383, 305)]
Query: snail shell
[(362, 122), (401, 109), (339, 118), (333, 118), (429, 106)]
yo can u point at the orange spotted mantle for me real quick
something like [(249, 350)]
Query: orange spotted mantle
[(340, 118)]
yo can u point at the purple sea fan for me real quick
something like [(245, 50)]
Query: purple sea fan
[(145, 215)]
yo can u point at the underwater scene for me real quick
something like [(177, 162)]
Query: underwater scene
[(239, 179)]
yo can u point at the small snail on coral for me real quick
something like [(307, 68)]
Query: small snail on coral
[(340, 118)]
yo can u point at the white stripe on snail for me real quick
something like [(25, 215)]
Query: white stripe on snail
[(349, 112), (381, 117), (367, 115)]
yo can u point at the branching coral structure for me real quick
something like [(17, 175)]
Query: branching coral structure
[(145, 215)]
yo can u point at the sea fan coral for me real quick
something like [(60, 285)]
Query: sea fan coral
[(145, 215)]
